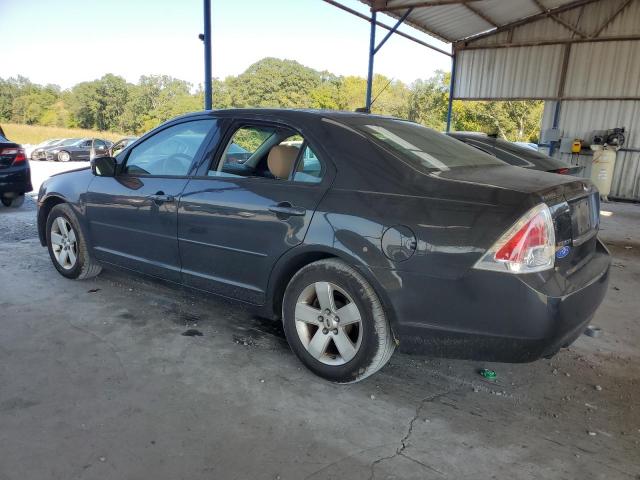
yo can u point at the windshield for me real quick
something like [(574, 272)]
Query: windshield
[(422, 147)]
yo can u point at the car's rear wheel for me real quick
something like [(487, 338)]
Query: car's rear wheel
[(335, 322), (67, 246), (13, 202), (64, 156)]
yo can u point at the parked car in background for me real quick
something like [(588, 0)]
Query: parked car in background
[(38, 151), (237, 154), (531, 145), (386, 234), (75, 149), (15, 175), (514, 154), (120, 145)]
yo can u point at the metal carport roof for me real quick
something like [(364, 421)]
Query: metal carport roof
[(581, 56), (457, 20)]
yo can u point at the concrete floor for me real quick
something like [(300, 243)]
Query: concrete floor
[(97, 382)]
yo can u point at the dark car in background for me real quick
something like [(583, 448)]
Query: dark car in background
[(360, 232), (15, 175), (118, 146), (514, 154), (38, 152), (76, 149)]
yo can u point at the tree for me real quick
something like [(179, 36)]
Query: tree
[(272, 82), (110, 103)]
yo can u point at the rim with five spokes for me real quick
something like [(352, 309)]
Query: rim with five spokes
[(328, 323), (64, 243)]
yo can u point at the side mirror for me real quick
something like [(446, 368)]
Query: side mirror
[(104, 166)]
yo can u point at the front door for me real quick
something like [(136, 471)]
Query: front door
[(133, 216), (244, 211)]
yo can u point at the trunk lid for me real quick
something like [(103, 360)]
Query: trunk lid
[(574, 204)]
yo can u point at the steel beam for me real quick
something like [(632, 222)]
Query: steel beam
[(538, 43), (422, 4), (372, 44), (208, 94), (452, 86), (393, 30), (531, 18), (385, 26), (612, 18)]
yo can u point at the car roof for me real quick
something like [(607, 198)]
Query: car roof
[(292, 113)]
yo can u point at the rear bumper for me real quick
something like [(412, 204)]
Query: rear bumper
[(493, 316), (15, 180)]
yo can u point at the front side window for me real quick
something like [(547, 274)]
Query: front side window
[(169, 152)]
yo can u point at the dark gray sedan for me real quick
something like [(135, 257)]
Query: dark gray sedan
[(76, 149), (514, 154), (362, 233)]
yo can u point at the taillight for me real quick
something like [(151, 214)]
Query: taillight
[(20, 157), (528, 246), (562, 171)]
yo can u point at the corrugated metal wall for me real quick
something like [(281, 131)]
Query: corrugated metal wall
[(527, 72), (595, 69), (605, 69), (579, 119)]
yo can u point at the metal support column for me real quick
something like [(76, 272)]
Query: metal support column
[(372, 44), (452, 87), (207, 56), (373, 49)]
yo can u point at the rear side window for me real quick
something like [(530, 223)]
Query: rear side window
[(309, 169), (423, 148)]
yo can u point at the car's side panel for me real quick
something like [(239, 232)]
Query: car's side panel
[(229, 238), (70, 187), (130, 227)]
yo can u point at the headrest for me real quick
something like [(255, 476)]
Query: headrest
[(281, 159)]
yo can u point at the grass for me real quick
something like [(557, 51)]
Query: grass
[(32, 134)]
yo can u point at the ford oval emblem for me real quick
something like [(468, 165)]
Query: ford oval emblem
[(563, 252)]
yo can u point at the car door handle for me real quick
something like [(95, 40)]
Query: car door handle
[(160, 198), (286, 209)]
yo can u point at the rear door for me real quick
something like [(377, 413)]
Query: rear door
[(237, 219), (133, 219)]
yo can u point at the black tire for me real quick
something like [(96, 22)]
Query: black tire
[(85, 266), (13, 202), (377, 342)]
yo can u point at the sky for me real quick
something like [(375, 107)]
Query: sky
[(65, 42)]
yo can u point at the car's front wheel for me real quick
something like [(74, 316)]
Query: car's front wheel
[(335, 322), (67, 246), (64, 156), (13, 202)]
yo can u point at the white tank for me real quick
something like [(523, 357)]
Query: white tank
[(603, 163)]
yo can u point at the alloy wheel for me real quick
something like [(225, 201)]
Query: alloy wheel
[(64, 243), (64, 156), (328, 323)]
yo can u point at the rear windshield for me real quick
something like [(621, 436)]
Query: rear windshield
[(422, 147), (528, 155)]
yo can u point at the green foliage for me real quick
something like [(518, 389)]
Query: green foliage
[(112, 104)]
